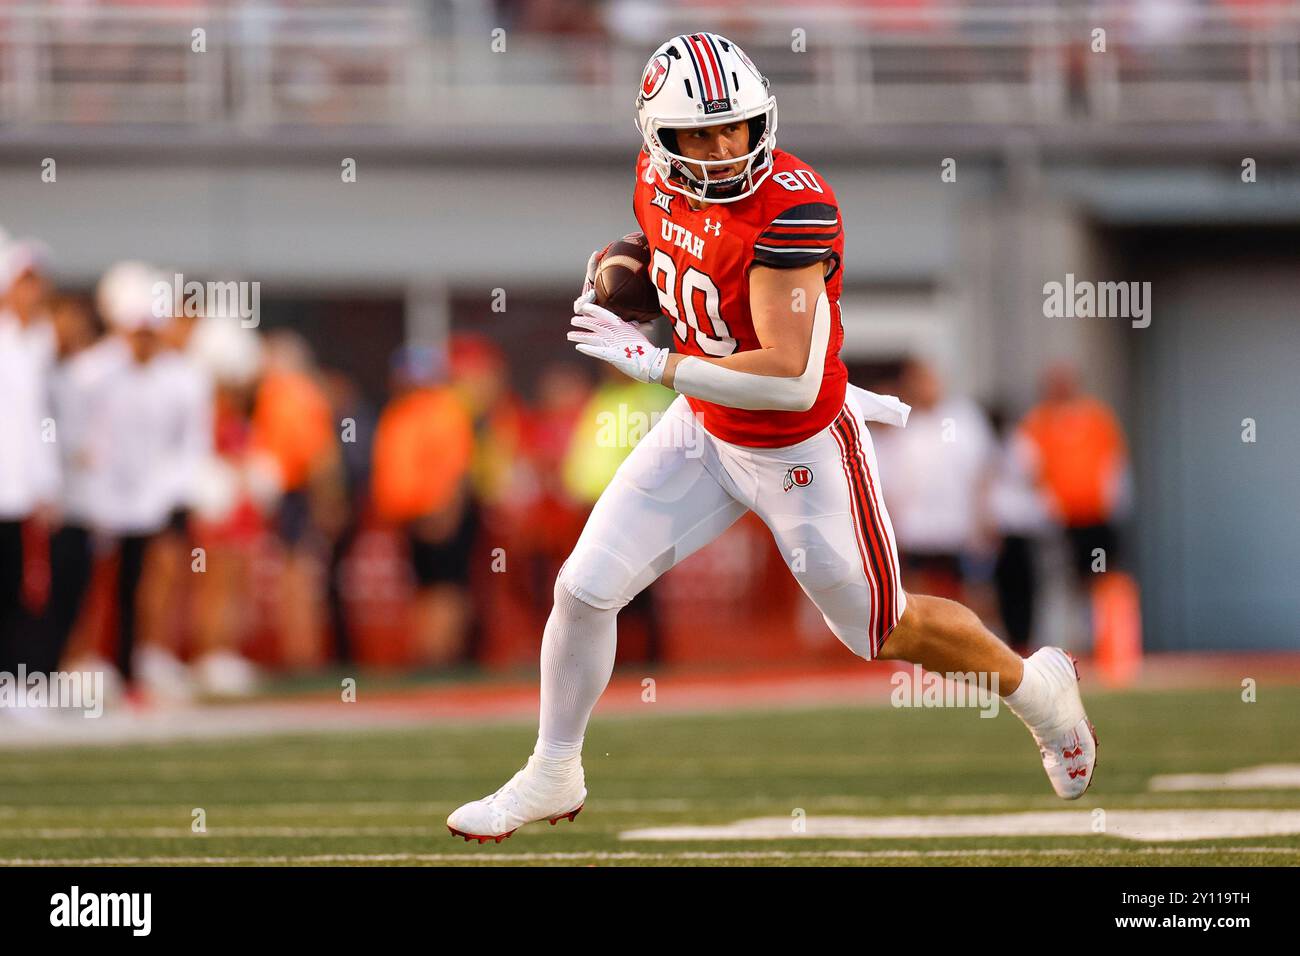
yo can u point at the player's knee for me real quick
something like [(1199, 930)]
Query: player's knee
[(893, 647), (856, 639), (912, 630), (590, 581), (867, 634)]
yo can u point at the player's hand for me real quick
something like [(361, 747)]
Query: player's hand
[(589, 283), (603, 334)]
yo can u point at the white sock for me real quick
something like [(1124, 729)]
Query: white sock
[(578, 648), (1032, 701)]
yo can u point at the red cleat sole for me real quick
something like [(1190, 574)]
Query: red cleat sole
[(567, 816), (497, 839), (481, 839)]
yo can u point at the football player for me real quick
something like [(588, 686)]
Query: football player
[(747, 247)]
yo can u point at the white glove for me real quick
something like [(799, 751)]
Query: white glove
[(592, 264), (589, 282), (604, 335)]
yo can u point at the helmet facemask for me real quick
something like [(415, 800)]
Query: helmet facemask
[(673, 167)]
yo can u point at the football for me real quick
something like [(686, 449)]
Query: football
[(623, 280)]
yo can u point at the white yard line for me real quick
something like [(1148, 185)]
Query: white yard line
[(63, 811), (1144, 825), (437, 808), (183, 832), (1275, 776), (488, 856)]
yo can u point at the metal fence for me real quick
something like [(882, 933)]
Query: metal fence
[(262, 68)]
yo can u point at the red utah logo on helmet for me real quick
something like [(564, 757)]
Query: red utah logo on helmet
[(655, 74)]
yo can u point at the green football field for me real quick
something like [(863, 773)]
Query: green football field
[(382, 797)]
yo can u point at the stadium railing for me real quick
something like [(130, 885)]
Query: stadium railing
[(265, 67)]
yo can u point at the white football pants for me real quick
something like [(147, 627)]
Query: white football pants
[(681, 487)]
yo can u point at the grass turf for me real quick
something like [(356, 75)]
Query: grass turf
[(381, 797)]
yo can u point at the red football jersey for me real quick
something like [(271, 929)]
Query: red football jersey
[(699, 262)]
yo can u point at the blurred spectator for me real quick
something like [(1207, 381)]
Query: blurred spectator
[(1021, 518), (563, 393), (86, 361), (233, 489), (935, 474), (343, 512), (481, 377), (617, 415), (166, 583), (551, 518), (1082, 462), (292, 425), (140, 423), (29, 470), (423, 451)]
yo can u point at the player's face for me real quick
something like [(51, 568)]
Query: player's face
[(145, 344), (714, 143), (28, 291)]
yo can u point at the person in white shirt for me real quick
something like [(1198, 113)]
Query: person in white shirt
[(141, 424), (29, 474), (935, 473), (1022, 517), (87, 362), (168, 584)]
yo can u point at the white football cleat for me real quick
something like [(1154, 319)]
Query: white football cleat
[(1068, 742), (529, 797)]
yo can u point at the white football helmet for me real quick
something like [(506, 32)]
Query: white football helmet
[(703, 79), (127, 299)]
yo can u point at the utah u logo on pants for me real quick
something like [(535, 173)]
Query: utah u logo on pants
[(800, 475)]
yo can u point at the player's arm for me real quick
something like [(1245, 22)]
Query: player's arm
[(783, 374), (791, 317)]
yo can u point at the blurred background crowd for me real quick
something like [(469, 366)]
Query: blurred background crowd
[(186, 489), (388, 470)]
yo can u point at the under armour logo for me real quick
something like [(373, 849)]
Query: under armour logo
[(663, 201), (628, 350), (1071, 753), (714, 227)]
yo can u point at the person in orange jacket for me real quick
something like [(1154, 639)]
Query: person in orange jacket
[(420, 480), (292, 425), (1082, 461), (1083, 468)]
